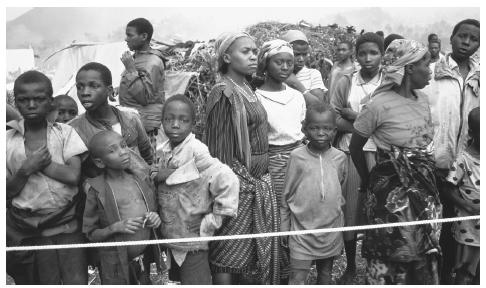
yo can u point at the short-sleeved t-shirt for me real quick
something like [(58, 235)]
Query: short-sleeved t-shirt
[(465, 173), (311, 79), (391, 119), (285, 112)]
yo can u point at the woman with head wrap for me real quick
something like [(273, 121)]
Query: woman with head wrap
[(237, 134), (275, 64), (401, 187)]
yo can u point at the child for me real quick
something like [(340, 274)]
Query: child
[(67, 109), (195, 192), (43, 171), (312, 197), (94, 86), (120, 206), (464, 176), (305, 80), (343, 65)]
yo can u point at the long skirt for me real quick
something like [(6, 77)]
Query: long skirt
[(278, 158), (257, 213), (402, 188), (420, 272), (353, 209)]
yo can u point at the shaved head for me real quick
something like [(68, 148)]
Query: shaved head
[(100, 141)]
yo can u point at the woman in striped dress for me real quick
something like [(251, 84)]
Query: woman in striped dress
[(285, 108), (237, 134)]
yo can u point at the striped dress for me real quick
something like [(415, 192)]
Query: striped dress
[(257, 207)]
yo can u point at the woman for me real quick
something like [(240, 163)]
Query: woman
[(401, 187), (348, 98), (237, 134), (275, 64)]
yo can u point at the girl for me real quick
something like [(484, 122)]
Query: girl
[(237, 134), (351, 93), (275, 64), (464, 176)]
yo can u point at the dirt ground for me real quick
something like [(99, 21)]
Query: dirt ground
[(338, 270)]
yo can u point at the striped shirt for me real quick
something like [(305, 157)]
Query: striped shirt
[(311, 79)]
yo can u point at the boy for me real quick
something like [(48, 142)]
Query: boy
[(66, 107), (195, 192), (312, 197), (344, 64), (464, 176), (94, 86), (120, 206), (142, 82), (305, 80), (43, 171), (453, 93)]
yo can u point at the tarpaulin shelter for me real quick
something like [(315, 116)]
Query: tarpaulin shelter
[(74, 56)]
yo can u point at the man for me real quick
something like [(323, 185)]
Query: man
[(142, 82), (452, 95), (434, 49), (344, 64), (435, 38), (307, 81)]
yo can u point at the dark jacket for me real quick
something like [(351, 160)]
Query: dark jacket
[(132, 131), (100, 211)]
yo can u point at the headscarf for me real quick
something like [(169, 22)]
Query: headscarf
[(223, 42), (400, 52), (269, 49), (294, 35)]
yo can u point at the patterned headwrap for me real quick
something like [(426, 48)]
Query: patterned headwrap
[(269, 49), (400, 52), (223, 42)]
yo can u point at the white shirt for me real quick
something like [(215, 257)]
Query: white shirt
[(285, 112), (311, 79), (117, 128), (360, 91)]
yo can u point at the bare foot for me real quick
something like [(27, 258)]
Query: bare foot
[(347, 278)]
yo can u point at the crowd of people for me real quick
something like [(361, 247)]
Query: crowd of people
[(393, 138)]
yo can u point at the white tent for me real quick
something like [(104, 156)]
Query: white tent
[(19, 61)]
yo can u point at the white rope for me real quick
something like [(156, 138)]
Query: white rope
[(243, 236)]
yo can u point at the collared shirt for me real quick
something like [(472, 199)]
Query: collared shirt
[(148, 82), (311, 79), (42, 193), (359, 94), (451, 98), (337, 72), (285, 112)]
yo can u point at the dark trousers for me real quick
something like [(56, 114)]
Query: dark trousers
[(446, 241), (194, 270), (63, 266)]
